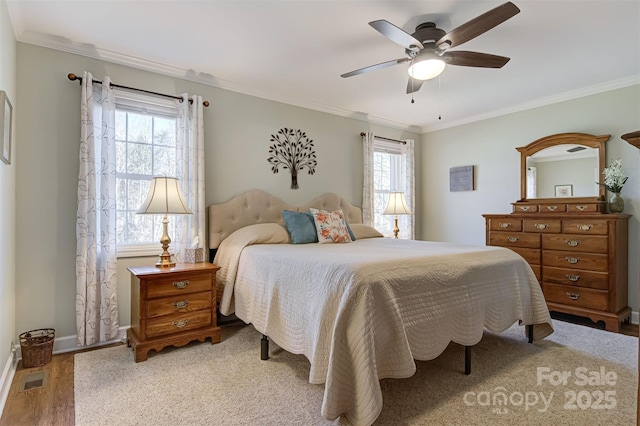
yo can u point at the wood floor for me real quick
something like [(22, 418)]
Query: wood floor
[(53, 403)]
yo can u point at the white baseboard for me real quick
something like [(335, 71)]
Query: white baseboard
[(68, 343), (634, 318), (5, 380)]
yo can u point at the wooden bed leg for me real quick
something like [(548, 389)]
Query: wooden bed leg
[(467, 360), (264, 348), (530, 332)]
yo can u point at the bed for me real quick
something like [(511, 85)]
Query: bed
[(363, 311)]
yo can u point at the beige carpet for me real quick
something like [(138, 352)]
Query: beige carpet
[(228, 384)]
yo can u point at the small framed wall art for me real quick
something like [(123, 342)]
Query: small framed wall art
[(563, 191), (461, 179), (5, 125)]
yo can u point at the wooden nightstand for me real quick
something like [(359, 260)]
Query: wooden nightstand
[(172, 306)]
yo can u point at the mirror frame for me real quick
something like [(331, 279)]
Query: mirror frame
[(591, 141)]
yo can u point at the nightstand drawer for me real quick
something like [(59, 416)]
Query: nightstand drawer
[(581, 243), (576, 296), (180, 285), (179, 304), (564, 259), (177, 323), (577, 277)]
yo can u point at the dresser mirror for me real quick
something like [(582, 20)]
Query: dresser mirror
[(562, 166)]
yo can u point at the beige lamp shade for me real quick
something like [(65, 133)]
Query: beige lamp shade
[(164, 197), (397, 204)]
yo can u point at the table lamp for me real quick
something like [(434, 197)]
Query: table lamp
[(396, 205)]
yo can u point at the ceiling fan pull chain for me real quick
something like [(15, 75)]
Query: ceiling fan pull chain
[(412, 101), (439, 101)]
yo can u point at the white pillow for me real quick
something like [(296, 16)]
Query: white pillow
[(331, 226), (361, 231)]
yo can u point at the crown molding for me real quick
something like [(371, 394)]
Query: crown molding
[(540, 102), (67, 45)]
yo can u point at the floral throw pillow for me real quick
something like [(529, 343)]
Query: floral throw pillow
[(331, 226)]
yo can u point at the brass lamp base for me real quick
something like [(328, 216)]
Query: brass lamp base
[(395, 227), (165, 261), (165, 257)]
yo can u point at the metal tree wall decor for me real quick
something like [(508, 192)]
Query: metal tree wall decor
[(292, 150)]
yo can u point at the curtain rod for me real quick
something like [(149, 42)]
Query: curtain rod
[(386, 139), (74, 77)]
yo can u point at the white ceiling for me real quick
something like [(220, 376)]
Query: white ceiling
[(295, 51)]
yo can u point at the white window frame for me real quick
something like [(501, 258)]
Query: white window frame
[(146, 104), (398, 182)]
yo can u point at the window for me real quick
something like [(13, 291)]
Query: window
[(389, 175), (146, 146)]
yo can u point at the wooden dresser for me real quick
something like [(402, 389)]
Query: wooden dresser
[(580, 259), (172, 306)]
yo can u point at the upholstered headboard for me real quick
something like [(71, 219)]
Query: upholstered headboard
[(257, 206)]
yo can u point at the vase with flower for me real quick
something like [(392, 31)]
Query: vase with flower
[(614, 180)]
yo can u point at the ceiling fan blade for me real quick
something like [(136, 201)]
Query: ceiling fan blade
[(413, 85), (477, 26), (474, 59), (375, 67), (395, 34)]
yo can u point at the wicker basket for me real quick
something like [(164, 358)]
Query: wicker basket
[(37, 347)]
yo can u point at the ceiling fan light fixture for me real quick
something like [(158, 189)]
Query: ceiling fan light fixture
[(426, 69)]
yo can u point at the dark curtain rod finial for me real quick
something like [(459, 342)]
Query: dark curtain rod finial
[(71, 76)]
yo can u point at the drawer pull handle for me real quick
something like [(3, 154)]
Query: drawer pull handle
[(181, 323), (181, 284), (572, 260), (181, 304), (584, 227), (573, 296), (573, 278), (504, 225), (573, 243), (512, 239), (524, 208), (552, 208), (581, 208), (541, 225)]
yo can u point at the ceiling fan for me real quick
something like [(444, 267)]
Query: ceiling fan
[(427, 49)]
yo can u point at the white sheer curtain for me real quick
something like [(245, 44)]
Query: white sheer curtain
[(190, 173), (367, 184), (408, 222), (96, 284)]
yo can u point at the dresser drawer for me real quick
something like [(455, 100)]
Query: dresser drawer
[(532, 256), (576, 277), (587, 227), (525, 208), (514, 239), (177, 323), (584, 208), (564, 259), (543, 225), (505, 224), (553, 208), (576, 296), (179, 304), (177, 286), (580, 243)]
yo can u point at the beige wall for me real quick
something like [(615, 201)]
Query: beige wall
[(7, 196), (237, 132), (490, 146)]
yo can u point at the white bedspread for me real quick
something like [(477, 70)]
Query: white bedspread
[(364, 311)]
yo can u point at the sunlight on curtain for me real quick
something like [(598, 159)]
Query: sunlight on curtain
[(96, 283), (367, 185), (190, 173)]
